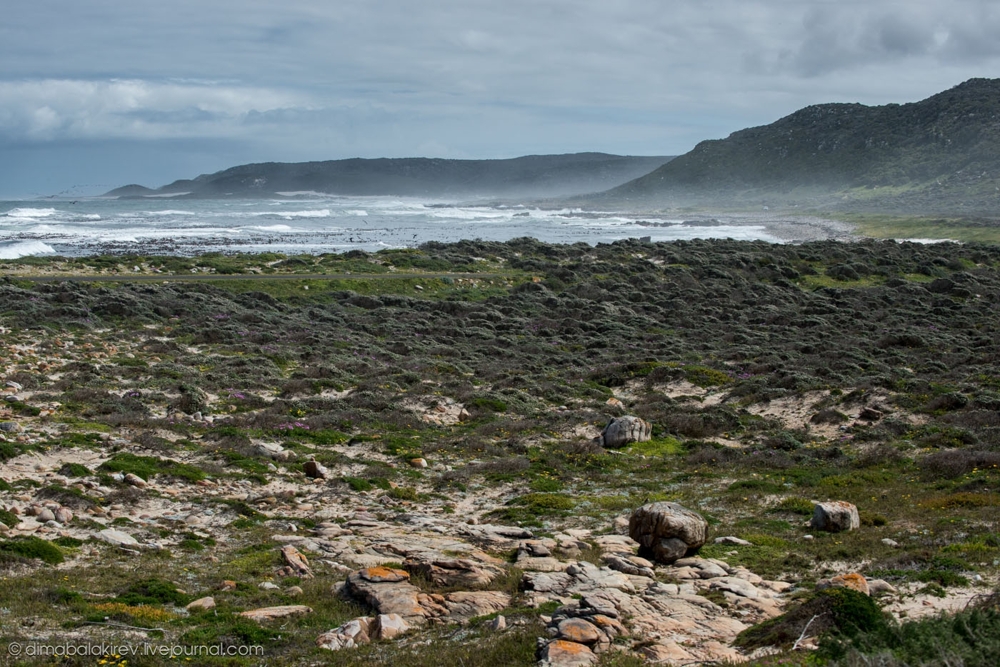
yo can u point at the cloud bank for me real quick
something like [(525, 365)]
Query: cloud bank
[(300, 80)]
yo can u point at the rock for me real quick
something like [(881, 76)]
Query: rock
[(353, 633), (117, 538), (296, 561), (418, 463), (729, 539), (870, 415), (201, 604), (16, 386), (272, 613), (876, 586), (10, 427), (667, 531), (463, 605), (561, 653), (388, 591), (63, 515), (579, 631), (889, 542), (454, 572), (498, 624), (294, 591), (388, 626), (315, 470), (46, 515), (616, 562), (853, 580), (666, 653), (735, 586), (134, 480), (835, 516), (624, 430), (273, 451), (267, 586)]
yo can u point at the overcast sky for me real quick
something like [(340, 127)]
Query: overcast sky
[(99, 93)]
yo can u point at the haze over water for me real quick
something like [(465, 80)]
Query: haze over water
[(313, 225)]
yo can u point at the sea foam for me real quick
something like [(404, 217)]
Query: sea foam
[(24, 249)]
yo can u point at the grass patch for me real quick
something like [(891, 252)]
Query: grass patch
[(148, 466), (32, 547)]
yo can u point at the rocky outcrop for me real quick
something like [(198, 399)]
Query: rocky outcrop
[(672, 622), (667, 531), (622, 431), (835, 516)]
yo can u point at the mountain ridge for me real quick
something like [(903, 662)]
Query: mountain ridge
[(527, 176), (941, 153)]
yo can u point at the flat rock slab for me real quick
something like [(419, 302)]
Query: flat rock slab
[(117, 538), (388, 591), (271, 613)]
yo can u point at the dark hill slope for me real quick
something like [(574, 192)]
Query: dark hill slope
[(940, 153), (529, 176)]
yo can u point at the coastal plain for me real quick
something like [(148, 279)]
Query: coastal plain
[(322, 438)]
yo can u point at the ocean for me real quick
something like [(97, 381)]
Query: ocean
[(315, 224)]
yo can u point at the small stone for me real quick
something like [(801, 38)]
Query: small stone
[(294, 591), (729, 539), (418, 463), (498, 624), (889, 542), (201, 604), (808, 537), (63, 515), (268, 586), (46, 515)]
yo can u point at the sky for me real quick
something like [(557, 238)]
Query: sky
[(102, 93)]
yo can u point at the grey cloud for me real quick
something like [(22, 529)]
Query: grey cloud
[(300, 79)]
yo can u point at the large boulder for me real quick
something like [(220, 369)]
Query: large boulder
[(835, 516), (667, 531), (624, 430)]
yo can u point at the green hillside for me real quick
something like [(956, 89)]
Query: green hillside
[(938, 155)]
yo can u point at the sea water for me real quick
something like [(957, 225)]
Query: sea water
[(314, 224)]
